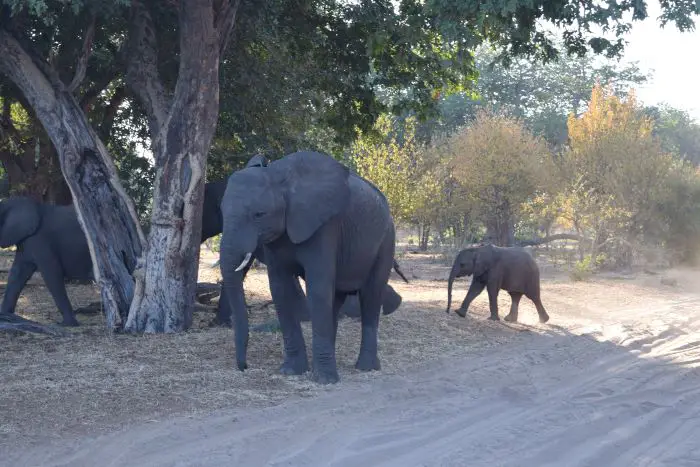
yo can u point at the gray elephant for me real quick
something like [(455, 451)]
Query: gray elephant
[(212, 224), (494, 268), (313, 217), (48, 238)]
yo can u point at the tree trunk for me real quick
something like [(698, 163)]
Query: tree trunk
[(105, 212), (182, 127), (424, 237)]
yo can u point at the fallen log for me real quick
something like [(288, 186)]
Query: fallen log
[(13, 323), (551, 238)]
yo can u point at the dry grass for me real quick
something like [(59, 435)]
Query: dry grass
[(92, 381)]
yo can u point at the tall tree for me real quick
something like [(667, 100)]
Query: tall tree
[(182, 125), (501, 166), (27, 49)]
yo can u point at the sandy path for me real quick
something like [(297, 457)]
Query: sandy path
[(616, 387)]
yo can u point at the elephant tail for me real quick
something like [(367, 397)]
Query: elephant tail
[(398, 271)]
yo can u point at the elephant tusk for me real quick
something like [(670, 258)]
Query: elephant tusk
[(245, 261)]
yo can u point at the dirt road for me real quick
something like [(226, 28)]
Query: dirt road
[(604, 387)]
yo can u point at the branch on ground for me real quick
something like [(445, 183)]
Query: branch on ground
[(551, 238), (14, 323)]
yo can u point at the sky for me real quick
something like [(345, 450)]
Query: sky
[(671, 55)]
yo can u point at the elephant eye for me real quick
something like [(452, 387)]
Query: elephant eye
[(258, 214)]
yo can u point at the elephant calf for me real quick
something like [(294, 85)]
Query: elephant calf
[(494, 268)]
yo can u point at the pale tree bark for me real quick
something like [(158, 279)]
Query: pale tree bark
[(106, 213), (182, 126)]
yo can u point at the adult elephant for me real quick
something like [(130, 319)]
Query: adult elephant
[(48, 238), (312, 217), (212, 224)]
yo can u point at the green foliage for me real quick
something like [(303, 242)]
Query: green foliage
[(500, 166), (541, 95), (392, 163), (677, 132), (584, 268)]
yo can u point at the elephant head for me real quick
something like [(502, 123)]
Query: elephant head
[(471, 261), (20, 218), (293, 196)]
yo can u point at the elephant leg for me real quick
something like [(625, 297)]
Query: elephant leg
[(286, 295), (20, 272), (475, 289), (52, 273), (493, 290), (338, 302), (319, 259), (223, 310), (544, 317), (514, 301), (322, 304), (391, 300), (370, 305)]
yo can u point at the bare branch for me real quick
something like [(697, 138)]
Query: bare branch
[(142, 68), (81, 67), (225, 21), (111, 111)]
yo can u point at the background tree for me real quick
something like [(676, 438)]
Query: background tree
[(502, 166), (677, 131), (617, 173)]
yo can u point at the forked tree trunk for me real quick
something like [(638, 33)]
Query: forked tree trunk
[(106, 214), (182, 127)]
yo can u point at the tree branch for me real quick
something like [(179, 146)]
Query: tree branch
[(142, 74), (551, 238), (81, 67), (111, 111), (225, 21)]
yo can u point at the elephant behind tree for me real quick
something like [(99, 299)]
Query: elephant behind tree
[(48, 238), (313, 217), (494, 268)]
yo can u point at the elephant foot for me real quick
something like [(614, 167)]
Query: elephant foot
[(511, 318), (242, 366), (294, 366), (366, 362), (544, 318), (69, 322), (326, 376), (494, 318), (461, 312)]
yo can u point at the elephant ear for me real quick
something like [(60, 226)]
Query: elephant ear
[(316, 189), (483, 260), (257, 160), (19, 219)]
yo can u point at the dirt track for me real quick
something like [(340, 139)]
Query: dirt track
[(612, 385)]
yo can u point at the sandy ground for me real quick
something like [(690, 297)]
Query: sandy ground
[(612, 379)]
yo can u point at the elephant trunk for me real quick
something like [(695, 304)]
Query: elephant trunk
[(453, 275), (236, 258), (238, 311)]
